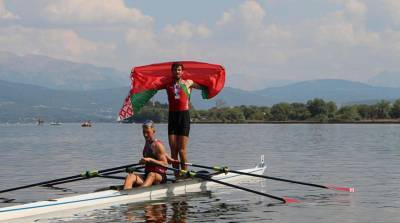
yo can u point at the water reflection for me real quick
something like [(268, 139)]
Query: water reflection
[(152, 213), (179, 212), (174, 212), (155, 213)]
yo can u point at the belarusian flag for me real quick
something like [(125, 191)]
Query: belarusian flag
[(148, 79)]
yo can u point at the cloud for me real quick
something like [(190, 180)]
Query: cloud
[(225, 18), (346, 27), (5, 14), (336, 44), (252, 13), (248, 14), (141, 38), (98, 12), (247, 22), (326, 39), (252, 36), (354, 8), (393, 7), (336, 29), (391, 41), (57, 43), (173, 42), (186, 31)]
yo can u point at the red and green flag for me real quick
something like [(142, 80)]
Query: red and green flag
[(148, 79)]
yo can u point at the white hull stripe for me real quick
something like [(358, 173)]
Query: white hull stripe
[(97, 198), (67, 202)]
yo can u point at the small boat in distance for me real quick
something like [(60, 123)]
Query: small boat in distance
[(87, 124), (55, 123), (40, 121)]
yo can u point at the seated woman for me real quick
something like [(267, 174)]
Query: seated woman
[(154, 159)]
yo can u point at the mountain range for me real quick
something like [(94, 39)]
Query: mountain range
[(34, 87), (59, 74), (25, 103)]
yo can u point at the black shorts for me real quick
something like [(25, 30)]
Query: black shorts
[(163, 175), (179, 123)]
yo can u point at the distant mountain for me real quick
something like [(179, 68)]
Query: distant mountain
[(59, 74), (386, 79), (339, 91), (236, 79), (234, 96), (277, 83), (26, 103)]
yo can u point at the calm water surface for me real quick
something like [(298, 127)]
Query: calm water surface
[(364, 156)]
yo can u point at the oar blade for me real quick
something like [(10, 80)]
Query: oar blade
[(346, 189), (289, 200)]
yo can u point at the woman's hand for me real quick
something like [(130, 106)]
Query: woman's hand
[(145, 160)]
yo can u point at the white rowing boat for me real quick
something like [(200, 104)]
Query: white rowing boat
[(108, 198)]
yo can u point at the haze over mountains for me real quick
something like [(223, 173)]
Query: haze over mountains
[(58, 74), (386, 79), (57, 90)]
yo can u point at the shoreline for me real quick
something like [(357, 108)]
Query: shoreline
[(395, 121), (302, 122)]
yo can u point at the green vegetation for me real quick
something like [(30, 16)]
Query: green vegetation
[(316, 110)]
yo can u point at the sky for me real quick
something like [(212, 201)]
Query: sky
[(258, 42)]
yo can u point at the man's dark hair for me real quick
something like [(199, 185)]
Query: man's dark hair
[(175, 65)]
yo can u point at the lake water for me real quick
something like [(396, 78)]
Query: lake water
[(366, 157)]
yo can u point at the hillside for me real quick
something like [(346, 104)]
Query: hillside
[(58, 74), (25, 102), (339, 91)]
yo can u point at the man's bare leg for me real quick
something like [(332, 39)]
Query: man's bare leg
[(182, 142), (174, 150)]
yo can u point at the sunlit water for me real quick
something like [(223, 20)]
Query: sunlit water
[(364, 156)]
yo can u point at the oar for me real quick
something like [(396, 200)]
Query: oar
[(6, 200), (226, 169), (86, 175), (284, 200)]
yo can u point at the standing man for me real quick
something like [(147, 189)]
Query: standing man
[(178, 117), (178, 78)]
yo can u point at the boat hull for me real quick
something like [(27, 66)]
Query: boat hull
[(114, 197)]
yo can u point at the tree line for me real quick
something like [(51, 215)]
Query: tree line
[(315, 110)]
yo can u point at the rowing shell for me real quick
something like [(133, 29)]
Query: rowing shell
[(73, 204)]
